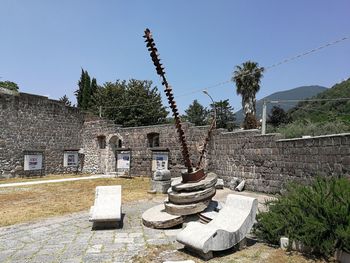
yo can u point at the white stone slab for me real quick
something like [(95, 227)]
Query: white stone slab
[(227, 229), (284, 242), (240, 187), (107, 206), (187, 209), (190, 197), (157, 217), (219, 184)]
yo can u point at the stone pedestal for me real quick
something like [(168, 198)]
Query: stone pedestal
[(156, 217), (161, 182), (160, 186)]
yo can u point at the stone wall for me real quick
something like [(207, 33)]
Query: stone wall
[(267, 162), (36, 124), (135, 138)]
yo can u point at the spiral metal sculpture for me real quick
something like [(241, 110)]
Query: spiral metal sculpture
[(169, 93)]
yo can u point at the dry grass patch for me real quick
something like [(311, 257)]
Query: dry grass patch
[(25, 203), (258, 253)]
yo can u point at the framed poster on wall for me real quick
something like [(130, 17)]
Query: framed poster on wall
[(33, 162), (71, 159), (123, 163), (160, 160)]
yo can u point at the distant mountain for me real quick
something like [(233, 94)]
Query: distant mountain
[(326, 111), (292, 94)]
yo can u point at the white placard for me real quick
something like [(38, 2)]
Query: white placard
[(33, 162), (160, 161), (70, 159), (123, 161)]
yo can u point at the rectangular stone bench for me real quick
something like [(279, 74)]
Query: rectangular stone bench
[(107, 207)]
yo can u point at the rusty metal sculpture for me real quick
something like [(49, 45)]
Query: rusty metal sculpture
[(193, 174)]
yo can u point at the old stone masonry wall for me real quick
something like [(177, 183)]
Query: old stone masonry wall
[(102, 140), (36, 125), (31, 124), (267, 162)]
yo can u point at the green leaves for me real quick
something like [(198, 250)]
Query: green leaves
[(65, 100), (132, 103), (318, 216), (197, 114), (224, 114), (84, 93), (247, 79), (9, 85)]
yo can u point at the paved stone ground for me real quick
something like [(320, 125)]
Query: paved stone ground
[(71, 238)]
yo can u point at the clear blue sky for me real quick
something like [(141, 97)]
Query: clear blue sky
[(45, 43)]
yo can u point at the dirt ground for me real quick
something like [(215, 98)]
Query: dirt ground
[(257, 253)]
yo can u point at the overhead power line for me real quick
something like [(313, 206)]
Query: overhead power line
[(310, 100), (283, 61), (286, 60)]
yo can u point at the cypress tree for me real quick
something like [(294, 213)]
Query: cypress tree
[(86, 94), (79, 92), (93, 91)]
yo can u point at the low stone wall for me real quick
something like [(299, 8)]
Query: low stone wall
[(36, 124), (267, 162)]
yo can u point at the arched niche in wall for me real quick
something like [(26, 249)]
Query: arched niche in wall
[(101, 141), (153, 139), (114, 142)]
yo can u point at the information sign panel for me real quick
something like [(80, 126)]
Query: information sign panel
[(123, 162), (33, 162), (160, 161), (70, 159)]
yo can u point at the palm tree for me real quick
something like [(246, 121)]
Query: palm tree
[(247, 78)]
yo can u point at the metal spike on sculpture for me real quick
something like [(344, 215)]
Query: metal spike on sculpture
[(192, 193), (192, 175)]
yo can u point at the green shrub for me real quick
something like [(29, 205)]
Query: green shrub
[(305, 127), (317, 215), (9, 85)]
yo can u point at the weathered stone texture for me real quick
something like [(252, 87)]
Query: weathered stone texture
[(135, 138), (267, 162), (36, 123)]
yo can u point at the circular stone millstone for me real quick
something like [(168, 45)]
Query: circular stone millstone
[(190, 197), (157, 217), (189, 209), (209, 181)]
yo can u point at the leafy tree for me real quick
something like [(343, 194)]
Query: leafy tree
[(278, 116), (247, 79), (196, 114), (84, 92), (224, 114), (133, 103), (325, 111), (65, 100), (9, 85)]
